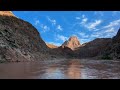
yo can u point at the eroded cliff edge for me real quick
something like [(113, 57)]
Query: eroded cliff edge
[(19, 40)]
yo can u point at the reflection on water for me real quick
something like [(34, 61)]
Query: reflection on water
[(53, 73), (65, 69), (74, 71)]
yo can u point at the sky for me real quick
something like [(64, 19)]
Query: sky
[(55, 27)]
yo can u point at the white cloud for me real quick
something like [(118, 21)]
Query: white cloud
[(90, 25), (53, 21), (93, 25), (112, 24), (99, 34), (110, 35), (105, 33), (59, 27), (37, 22), (61, 37), (96, 35), (83, 35), (84, 40), (44, 28), (84, 19), (83, 16), (111, 30)]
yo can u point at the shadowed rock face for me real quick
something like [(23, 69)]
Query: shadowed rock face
[(72, 43), (93, 48), (61, 52), (116, 39), (19, 40), (113, 49), (102, 48)]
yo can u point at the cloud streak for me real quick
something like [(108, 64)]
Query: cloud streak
[(111, 30), (61, 37), (105, 33), (84, 40), (91, 25), (37, 22), (83, 35), (113, 24), (44, 28), (94, 24), (59, 28), (84, 19), (53, 21)]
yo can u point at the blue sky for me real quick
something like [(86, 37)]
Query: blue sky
[(57, 26)]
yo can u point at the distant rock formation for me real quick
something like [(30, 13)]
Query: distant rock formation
[(19, 40), (66, 50), (51, 45), (72, 43), (6, 13)]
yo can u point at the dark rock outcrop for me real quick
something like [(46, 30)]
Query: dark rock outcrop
[(92, 48), (61, 52), (116, 39), (100, 48), (19, 40), (113, 49)]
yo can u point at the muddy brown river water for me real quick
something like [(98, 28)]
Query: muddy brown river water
[(61, 69)]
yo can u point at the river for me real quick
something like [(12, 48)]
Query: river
[(61, 69)]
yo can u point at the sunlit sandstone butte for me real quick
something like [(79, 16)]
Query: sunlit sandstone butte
[(6, 13)]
